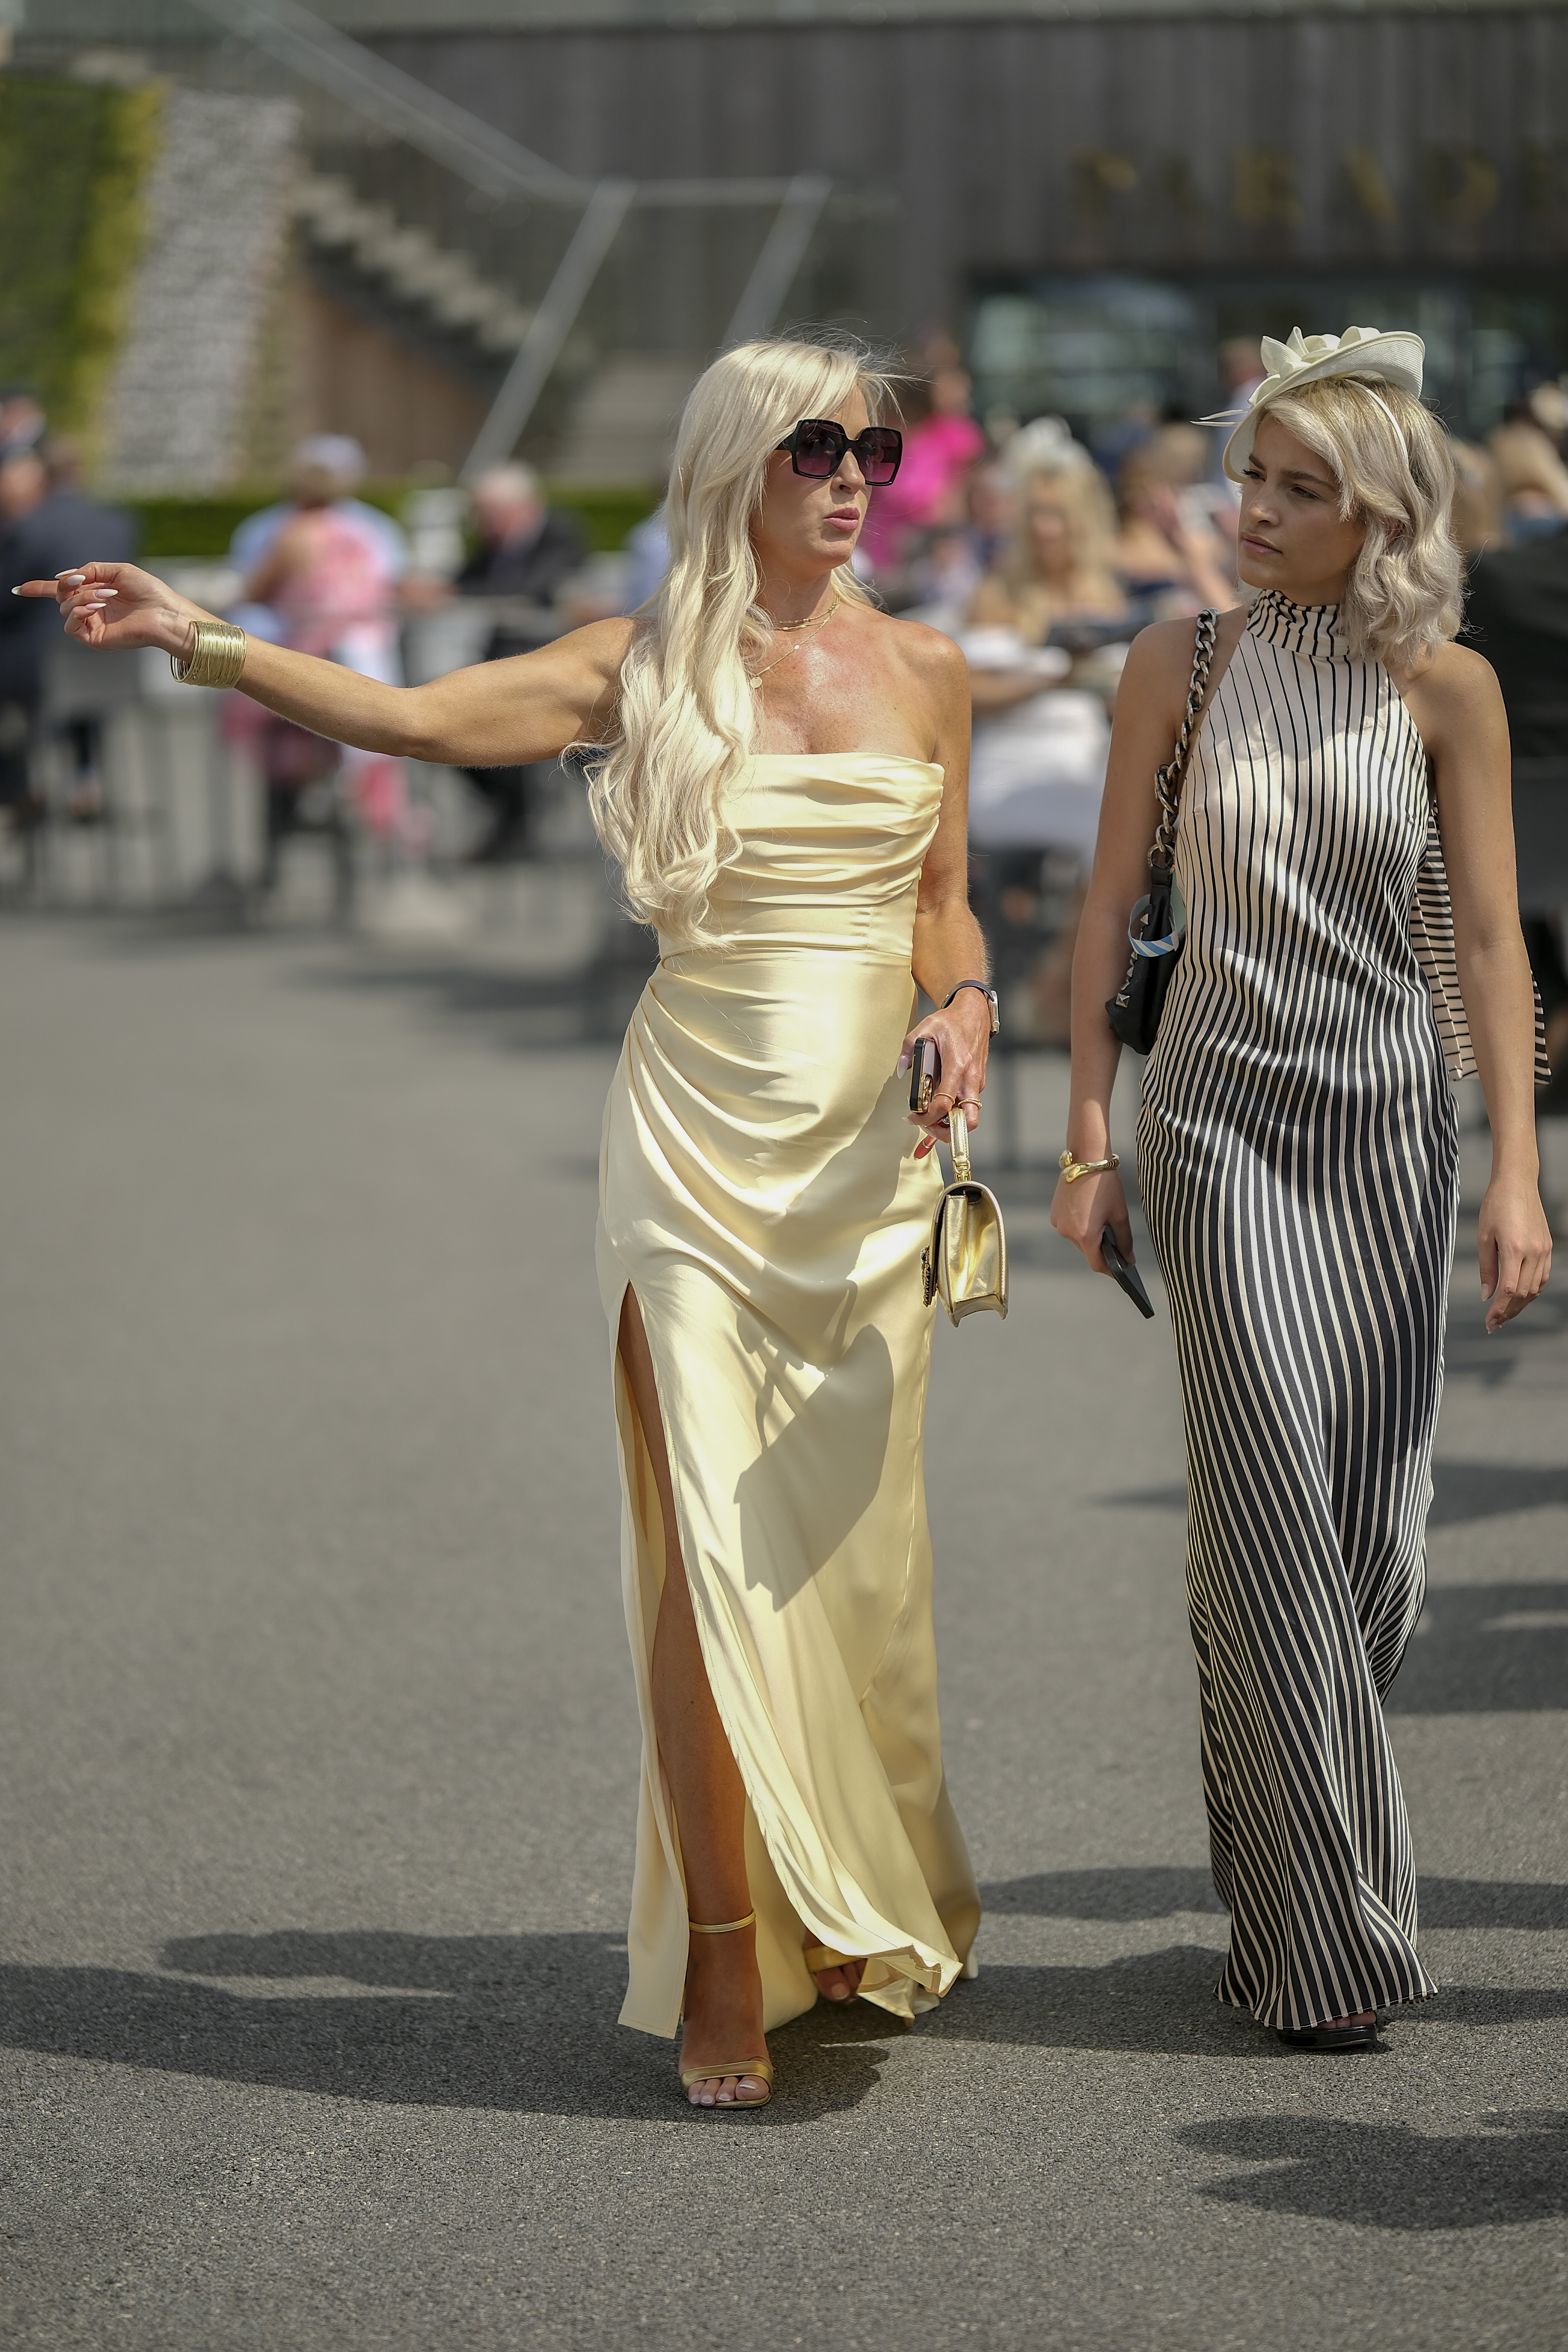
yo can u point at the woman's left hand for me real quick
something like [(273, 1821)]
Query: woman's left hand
[(962, 1034), (1515, 1248), (116, 606)]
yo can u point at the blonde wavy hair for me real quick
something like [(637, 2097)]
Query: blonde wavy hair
[(686, 719), (1392, 459), (1091, 520)]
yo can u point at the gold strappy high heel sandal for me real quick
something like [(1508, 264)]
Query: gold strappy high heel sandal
[(760, 2069), (818, 1957), (821, 1956)]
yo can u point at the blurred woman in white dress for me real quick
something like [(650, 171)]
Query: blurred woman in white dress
[(1041, 737)]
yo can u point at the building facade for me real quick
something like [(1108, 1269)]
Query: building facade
[(1092, 194)]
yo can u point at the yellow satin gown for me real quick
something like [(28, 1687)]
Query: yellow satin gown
[(759, 1192)]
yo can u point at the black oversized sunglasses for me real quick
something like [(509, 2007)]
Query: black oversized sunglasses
[(818, 446)]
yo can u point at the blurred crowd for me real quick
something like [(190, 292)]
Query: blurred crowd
[(1040, 554), (1043, 556)]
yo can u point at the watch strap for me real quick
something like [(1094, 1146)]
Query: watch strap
[(988, 992)]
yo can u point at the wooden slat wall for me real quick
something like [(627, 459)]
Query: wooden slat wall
[(1008, 142)]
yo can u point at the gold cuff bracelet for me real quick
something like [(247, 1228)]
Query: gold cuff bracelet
[(1073, 1169), (217, 658)]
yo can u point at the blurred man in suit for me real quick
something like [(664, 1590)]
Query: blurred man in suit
[(528, 551), (46, 524), (1517, 616)]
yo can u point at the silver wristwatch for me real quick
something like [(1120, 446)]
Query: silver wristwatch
[(990, 996)]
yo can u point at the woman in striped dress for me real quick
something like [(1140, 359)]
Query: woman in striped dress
[(1297, 1144)]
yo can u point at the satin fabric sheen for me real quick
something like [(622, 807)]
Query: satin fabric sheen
[(760, 1194)]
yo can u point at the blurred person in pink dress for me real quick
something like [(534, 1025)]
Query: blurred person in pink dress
[(941, 443), (321, 576)]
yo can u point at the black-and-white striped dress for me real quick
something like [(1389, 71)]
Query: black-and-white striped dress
[(1297, 1154)]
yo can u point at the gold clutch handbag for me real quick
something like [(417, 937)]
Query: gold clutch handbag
[(964, 1262)]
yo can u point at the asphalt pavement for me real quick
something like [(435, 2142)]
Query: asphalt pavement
[(318, 1763)]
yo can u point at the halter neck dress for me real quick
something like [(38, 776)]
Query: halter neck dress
[(760, 1194), (1298, 1157)]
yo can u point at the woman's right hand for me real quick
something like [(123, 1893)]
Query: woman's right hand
[(1080, 1213), (116, 606)]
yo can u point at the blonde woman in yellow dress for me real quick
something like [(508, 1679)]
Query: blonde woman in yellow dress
[(783, 786)]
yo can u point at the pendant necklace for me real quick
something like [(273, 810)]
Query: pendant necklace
[(757, 676)]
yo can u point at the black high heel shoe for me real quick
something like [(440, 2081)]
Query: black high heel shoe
[(1329, 2037)]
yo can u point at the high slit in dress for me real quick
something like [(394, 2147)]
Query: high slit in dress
[(760, 1194), (1298, 1157)]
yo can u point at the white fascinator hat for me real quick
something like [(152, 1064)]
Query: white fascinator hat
[(1365, 352)]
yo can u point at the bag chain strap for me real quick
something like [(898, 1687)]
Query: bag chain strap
[(1168, 780)]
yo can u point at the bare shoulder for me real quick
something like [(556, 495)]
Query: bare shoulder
[(1456, 703), (1162, 655), (924, 652), (1453, 683)]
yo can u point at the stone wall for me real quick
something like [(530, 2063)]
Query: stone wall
[(218, 209)]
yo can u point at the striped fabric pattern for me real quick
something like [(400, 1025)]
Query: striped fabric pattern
[(1432, 932), (1297, 1154)]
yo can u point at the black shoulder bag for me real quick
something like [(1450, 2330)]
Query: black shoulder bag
[(1151, 931)]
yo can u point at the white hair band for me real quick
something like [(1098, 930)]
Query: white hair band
[(1362, 385)]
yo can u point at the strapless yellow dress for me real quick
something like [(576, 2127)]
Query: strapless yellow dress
[(759, 1192)]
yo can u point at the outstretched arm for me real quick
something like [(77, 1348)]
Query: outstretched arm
[(500, 714), (1458, 709)]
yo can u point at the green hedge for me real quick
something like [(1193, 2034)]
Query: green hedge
[(205, 526), (74, 160)]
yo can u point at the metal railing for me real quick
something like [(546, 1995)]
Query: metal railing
[(500, 167)]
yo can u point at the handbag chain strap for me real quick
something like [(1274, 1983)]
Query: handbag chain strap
[(1169, 779)]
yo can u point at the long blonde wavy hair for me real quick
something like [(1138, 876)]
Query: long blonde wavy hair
[(1391, 455), (686, 719)]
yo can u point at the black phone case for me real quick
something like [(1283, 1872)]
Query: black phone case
[(1126, 1277)]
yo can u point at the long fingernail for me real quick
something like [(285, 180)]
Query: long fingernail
[(106, 592), (71, 579)]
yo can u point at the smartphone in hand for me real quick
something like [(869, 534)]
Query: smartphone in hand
[(925, 1069), (1127, 1276)]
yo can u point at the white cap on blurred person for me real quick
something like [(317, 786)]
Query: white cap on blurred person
[(337, 454), (1395, 358), (1045, 446)]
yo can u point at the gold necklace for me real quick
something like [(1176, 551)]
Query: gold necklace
[(757, 676)]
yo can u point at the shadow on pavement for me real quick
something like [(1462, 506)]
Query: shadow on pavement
[(1490, 1903), (1159, 1891), (1465, 1492), (1155, 2001), (1512, 1353), (1163, 2003), (1387, 2176), (1486, 1649), (517, 2023), (1154, 1892)]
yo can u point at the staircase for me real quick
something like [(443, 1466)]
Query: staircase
[(439, 285), (621, 427)]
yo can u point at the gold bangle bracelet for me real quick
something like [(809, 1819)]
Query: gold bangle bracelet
[(217, 658), (1073, 1169)]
